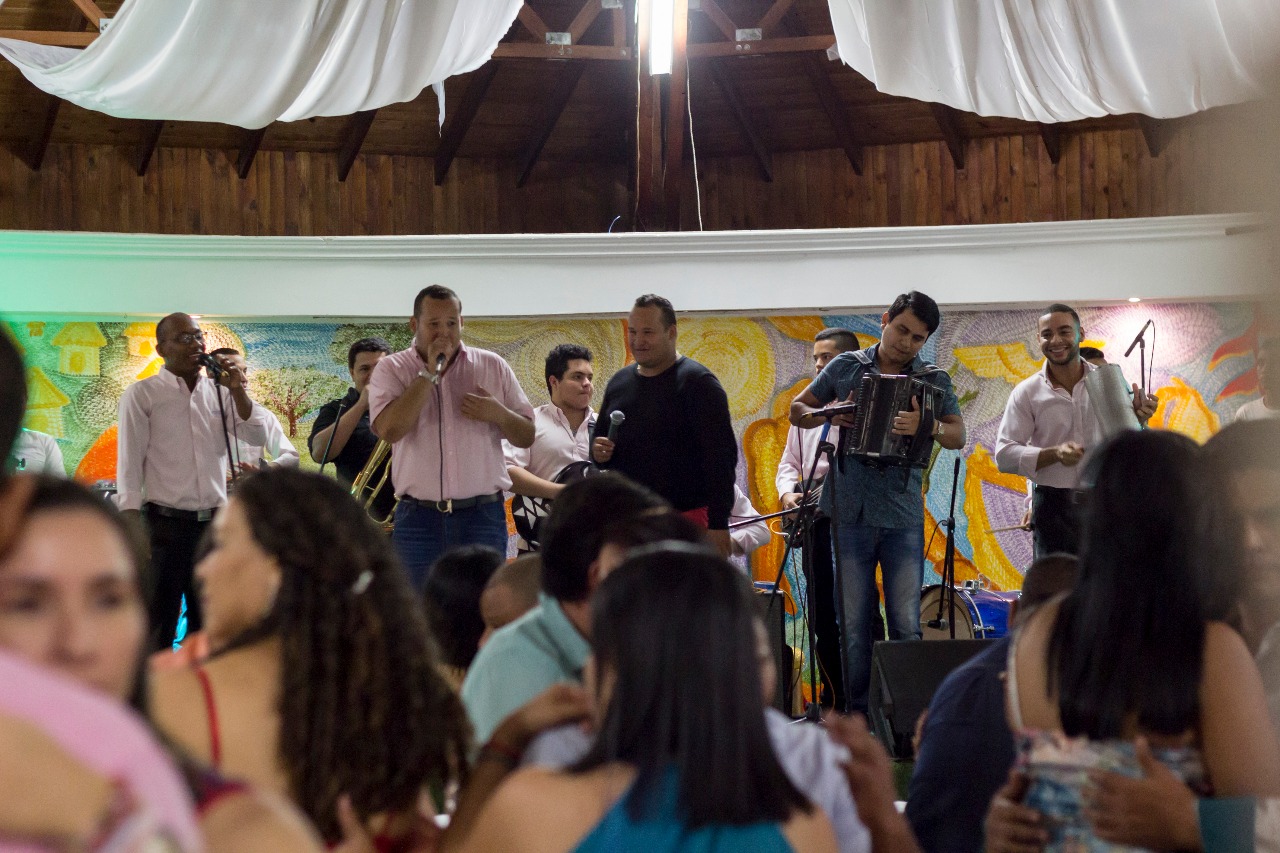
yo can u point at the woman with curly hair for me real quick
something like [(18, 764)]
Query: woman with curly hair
[(323, 684)]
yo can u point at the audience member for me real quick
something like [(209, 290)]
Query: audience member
[(965, 735), (455, 583), (331, 686), (511, 592), (679, 759), (550, 644), (1153, 553)]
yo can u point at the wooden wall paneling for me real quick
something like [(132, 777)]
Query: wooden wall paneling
[(1069, 181), (965, 181), (1088, 178), (1017, 180), (1123, 174), (947, 194), (984, 208), (1102, 192)]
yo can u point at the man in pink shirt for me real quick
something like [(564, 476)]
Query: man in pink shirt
[(446, 408)]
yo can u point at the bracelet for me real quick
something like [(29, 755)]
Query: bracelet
[(430, 377), (496, 750)]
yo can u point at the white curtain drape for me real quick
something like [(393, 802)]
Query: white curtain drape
[(252, 62), (1062, 60)]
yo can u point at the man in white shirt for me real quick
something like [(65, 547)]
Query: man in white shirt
[(1268, 405), (173, 463), (797, 460), (37, 453), (562, 436), (277, 451), (1048, 426)]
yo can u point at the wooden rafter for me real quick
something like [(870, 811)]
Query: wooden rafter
[(836, 111), (531, 50), (619, 27), (533, 23), (584, 19), (718, 17), (775, 14), (561, 92), (745, 126), (38, 144), (1051, 136), (648, 143), (351, 143), (91, 11), (677, 116), (1156, 133), (54, 38), (949, 123), (801, 44), (455, 126), (150, 139), (249, 150)]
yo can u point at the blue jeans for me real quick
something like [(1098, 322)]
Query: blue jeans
[(421, 535), (900, 553)]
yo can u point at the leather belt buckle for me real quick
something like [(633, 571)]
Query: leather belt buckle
[(204, 514), (445, 506)]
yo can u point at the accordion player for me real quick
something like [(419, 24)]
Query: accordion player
[(871, 439)]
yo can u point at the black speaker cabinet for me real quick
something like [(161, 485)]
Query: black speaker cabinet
[(770, 606), (904, 676)]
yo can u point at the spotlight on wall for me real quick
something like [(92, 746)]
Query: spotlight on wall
[(662, 34), (1135, 298)]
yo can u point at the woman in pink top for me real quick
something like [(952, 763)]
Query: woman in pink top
[(71, 602)]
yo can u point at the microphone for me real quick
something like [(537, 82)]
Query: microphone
[(210, 362), (1136, 340), (937, 623), (440, 360), (616, 417)]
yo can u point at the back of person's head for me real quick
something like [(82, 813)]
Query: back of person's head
[(1244, 446), (651, 527), (925, 309), (677, 651), (1046, 577), (511, 592), (452, 600), (574, 531), (1128, 639), (13, 397), (1092, 354), (363, 708)]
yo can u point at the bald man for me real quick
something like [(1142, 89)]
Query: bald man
[(172, 468)]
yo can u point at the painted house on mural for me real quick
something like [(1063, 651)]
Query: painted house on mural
[(78, 345)]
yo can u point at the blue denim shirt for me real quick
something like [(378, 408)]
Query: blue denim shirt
[(867, 495)]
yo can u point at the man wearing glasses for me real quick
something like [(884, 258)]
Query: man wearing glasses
[(172, 465)]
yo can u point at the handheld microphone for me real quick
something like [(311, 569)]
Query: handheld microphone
[(616, 417), (1141, 332), (210, 363), (440, 360)]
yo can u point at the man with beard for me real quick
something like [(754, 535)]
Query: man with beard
[(1048, 426)]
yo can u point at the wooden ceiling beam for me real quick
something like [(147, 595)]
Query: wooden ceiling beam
[(352, 142), (800, 44), (677, 117), (32, 153), (150, 139), (561, 91), (948, 120), (717, 16), (837, 113), (91, 11), (775, 15), (533, 23), (1051, 136), (531, 50), (648, 141), (584, 19), (763, 159), (53, 38), (455, 126), (1156, 133), (620, 27), (249, 150)]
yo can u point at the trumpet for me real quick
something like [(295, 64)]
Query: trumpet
[(364, 493)]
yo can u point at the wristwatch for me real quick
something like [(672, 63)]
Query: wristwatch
[(427, 375), (937, 429)]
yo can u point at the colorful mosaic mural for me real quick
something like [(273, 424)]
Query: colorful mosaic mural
[(1202, 357)]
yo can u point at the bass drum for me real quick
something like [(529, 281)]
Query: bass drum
[(979, 614), (528, 512)]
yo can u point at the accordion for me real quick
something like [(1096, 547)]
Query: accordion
[(871, 438)]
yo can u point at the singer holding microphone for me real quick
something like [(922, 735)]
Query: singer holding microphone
[(1049, 425), (665, 423), (173, 463), (341, 431), (446, 407), (878, 516)]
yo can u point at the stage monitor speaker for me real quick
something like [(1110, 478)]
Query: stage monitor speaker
[(904, 676), (770, 607)]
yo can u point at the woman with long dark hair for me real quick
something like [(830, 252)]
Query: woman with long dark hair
[(682, 759), (327, 689), (1135, 650)]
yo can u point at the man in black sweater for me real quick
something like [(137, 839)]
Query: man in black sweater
[(677, 437)]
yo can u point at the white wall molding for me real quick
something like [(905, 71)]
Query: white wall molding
[(1093, 262)]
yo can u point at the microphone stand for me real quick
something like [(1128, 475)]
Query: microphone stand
[(1141, 343), (324, 458), (947, 600), (215, 371)]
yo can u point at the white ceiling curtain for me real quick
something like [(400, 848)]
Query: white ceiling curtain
[(252, 62), (1062, 60)]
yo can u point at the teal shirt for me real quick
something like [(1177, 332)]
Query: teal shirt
[(539, 649), (870, 496)]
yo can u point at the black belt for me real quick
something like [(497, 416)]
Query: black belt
[(453, 505), (184, 514)]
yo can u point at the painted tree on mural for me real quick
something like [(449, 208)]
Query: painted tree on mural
[(292, 392)]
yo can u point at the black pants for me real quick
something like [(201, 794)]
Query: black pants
[(173, 547), (1055, 521)]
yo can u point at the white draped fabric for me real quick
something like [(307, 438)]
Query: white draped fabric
[(252, 62), (1062, 60)]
